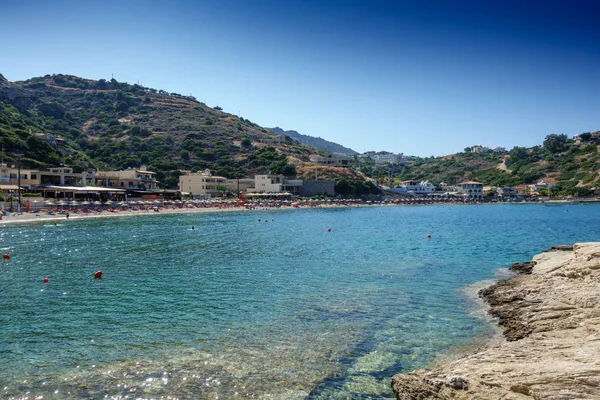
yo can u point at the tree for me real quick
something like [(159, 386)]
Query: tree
[(518, 153), (555, 143), (218, 108), (585, 136)]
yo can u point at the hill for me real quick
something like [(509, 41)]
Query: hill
[(571, 165), (63, 119), (315, 142)]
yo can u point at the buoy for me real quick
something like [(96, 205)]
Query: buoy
[(429, 236), (45, 280), (98, 274), (328, 229), (6, 256)]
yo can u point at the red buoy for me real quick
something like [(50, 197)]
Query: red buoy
[(45, 280), (429, 236), (98, 274), (6, 256), (328, 229)]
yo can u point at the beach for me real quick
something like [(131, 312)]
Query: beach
[(26, 217), (549, 315)]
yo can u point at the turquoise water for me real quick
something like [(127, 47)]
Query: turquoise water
[(238, 308)]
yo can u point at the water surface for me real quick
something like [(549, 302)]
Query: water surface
[(278, 308)]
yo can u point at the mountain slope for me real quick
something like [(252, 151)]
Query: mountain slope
[(114, 125), (315, 142)]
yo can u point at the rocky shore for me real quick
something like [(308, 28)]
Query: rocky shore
[(550, 317)]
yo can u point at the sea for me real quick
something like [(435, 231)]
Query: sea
[(265, 304)]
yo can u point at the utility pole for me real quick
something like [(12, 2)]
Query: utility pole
[(18, 155)]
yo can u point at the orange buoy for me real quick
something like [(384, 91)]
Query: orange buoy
[(45, 280), (328, 229), (6, 256), (98, 274)]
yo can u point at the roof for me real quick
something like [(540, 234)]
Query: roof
[(83, 189), (9, 187), (470, 183)]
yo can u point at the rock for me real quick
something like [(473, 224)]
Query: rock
[(456, 382), (560, 247), (550, 343), (410, 387), (523, 267)]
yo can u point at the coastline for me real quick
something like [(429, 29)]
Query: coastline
[(550, 317), (45, 217)]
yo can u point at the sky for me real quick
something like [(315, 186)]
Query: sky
[(424, 78)]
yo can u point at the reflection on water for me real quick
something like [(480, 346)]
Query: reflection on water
[(283, 310)]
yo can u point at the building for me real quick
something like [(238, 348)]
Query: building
[(540, 185), (203, 184), (479, 149), (65, 176), (335, 160), (270, 183), (242, 184), (311, 188), (10, 176), (507, 192), (473, 189), (384, 157), (447, 188), (410, 186), (129, 179)]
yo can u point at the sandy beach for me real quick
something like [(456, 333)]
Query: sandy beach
[(550, 317), (44, 216)]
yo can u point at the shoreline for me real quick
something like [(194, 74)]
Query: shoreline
[(549, 315), (29, 217)]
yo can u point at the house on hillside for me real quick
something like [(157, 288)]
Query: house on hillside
[(336, 160)]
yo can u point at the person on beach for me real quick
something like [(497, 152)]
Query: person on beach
[(67, 215)]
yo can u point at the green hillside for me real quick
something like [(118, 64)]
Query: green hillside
[(62, 119), (570, 165), (114, 125)]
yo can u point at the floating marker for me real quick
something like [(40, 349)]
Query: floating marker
[(6, 256), (429, 236), (45, 280), (328, 229), (98, 274)]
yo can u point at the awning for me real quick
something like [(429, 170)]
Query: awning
[(9, 187), (81, 189)]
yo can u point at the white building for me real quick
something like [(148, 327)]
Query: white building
[(203, 184), (336, 160), (410, 186), (473, 189), (387, 158), (270, 183)]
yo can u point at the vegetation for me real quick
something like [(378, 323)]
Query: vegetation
[(106, 124), (570, 165), (113, 125)]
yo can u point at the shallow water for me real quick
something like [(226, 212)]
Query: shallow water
[(279, 309)]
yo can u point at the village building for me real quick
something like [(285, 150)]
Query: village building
[(471, 188), (203, 185), (336, 160)]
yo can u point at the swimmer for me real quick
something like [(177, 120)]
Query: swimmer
[(193, 227)]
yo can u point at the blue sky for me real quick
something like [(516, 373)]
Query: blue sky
[(418, 77)]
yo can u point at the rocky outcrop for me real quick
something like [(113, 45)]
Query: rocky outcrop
[(551, 322)]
